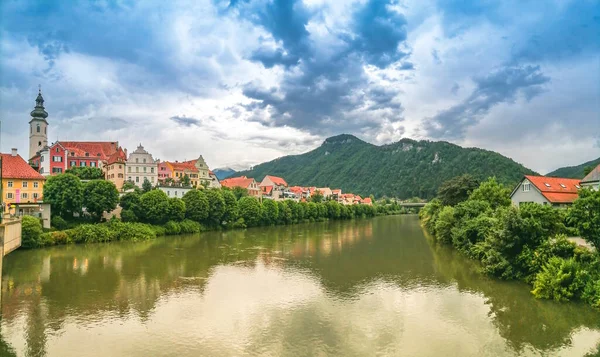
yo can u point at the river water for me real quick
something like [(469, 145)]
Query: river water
[(359, 288)]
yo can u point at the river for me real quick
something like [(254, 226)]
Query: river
[(357, 288)]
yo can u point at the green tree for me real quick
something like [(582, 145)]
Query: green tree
[(154, 207), (31, 232), (185, 180), (231, 206), (130, 200), (176, 209), (128, 185), (317, 197), (65, 194), (86, 173), (270, 212), (457, 189), (146, 186), (239, 192), (100, 196), (196, 205), (250, 210), (493, 193), (585, 216), (216, 207)]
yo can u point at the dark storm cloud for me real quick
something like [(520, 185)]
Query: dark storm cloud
[(501, 86), (185, 121), (318, 92)]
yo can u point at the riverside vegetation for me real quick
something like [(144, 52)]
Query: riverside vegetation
[(78, 207), (528, 243)]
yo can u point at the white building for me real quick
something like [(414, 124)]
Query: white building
[(172, 191), (141, 167)]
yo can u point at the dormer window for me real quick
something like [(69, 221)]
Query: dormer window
[(87, 154), (563, 185), (547, 184), (578, 187), (72, 153)]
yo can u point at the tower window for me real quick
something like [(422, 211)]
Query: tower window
[(38, 128), (39, 143)]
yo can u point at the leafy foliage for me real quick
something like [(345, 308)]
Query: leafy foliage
[(154, 207), (86, 173), (31, 232), (65, 194), (585, 216), (250, 210), (404, 169), (456, 190), (100, 196), (196, 205), (146, 186)]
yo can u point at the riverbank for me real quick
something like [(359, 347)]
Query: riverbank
[(528, 243)]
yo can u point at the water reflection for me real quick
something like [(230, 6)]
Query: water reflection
[(337, 288)]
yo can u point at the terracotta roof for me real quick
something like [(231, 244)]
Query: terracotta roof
[(367, 200), (593, 176), (98, 149), (182, 166), (296, 189), (277, 180), (17, 168), (556, 189), (242, 181), (337, 191), (267, 189), (118, 156)]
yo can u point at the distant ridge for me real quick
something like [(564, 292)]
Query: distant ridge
[(223, 172), (574, 171), (404, 169)]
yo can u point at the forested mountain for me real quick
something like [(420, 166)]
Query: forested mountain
[(404, 169), (574, 171)]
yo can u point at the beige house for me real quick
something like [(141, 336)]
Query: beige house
[(325, 191), (273, 187), (592, 180), (142, 167), (114, 168)]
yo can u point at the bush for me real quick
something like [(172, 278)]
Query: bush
[(127, 215), (129, 231), (172, 228), (59, 223), (159, 231), (444, 224), (189, 226), (31, 232), (560, 280), (93, 233)]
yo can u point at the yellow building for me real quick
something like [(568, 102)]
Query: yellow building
[(22, 188), (114, 168)]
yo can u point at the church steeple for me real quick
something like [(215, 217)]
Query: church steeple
[(39, 111)]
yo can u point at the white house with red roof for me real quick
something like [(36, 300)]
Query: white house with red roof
[(273, 186), (555, 191), (244, 182)]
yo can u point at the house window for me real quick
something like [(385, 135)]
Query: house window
[(72, 154), (137, 160), (144, 161), (35, 195), (175, 193), (93, 164), (563, 185), (57, 158), (137, 169), (57, 150), (9, 195), (547, 184), (87, 154), (119, 166), (57, 170), (152, 170), (137, 179), (129, 169), (25, 183), (38, 128), (73, 163), (526, 187), (24, 195), (144, 168), (82, 164), (9, 184), (35, 184)]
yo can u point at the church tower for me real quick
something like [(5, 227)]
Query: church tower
[(38, 127)]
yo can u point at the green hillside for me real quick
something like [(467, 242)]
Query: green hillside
[(574, 171), (404, 169)]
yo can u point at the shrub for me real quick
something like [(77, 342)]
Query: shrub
[(59, 223), (127, 215), (158, 230), (129, 231), (444, 224), (93, 233), (189, 226), (560, 280), (172, 228), (31, 232)]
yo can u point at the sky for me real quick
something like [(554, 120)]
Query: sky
[(246, 81)]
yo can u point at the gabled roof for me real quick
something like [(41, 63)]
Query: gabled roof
[(556, 189), (267, 189), (242, 181), (118, 156), (182, 166), (593, 176), (17, 168), (277, 180), (95, 149)]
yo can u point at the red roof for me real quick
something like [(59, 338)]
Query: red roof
[(277, 180), (367, 200), (118, 156), (182, 166), (296, 189), (98, 149), (556, 189), (267, 189), (337, 191), (242, 181), (17, 168)]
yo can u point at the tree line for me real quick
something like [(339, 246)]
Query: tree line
[(527, 243)]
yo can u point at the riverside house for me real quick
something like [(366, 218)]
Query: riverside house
[(273, 187), (555, 191), (244, 182)]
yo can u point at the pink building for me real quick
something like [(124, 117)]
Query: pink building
[(164, 171)]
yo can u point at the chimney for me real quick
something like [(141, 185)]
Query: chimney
[(13, 152)]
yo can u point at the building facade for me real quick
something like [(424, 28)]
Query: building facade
[(142, 167), (555, 191), (115, 168), (173, 191)]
